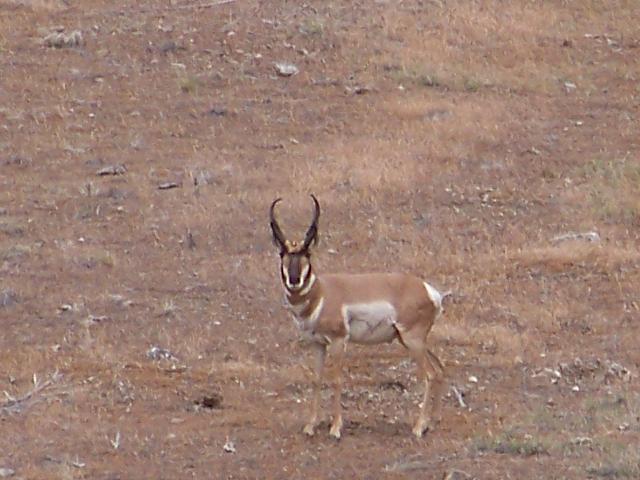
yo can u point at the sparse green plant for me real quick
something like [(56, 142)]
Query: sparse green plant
[(427, 80), (15, 252), (312, 26), (169, 308), (614, 188), (471, 84), (512, 443), (106, 258), (615, 470), (189, 84), (414, 77)]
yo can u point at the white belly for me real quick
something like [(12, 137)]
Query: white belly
[(370, 322)]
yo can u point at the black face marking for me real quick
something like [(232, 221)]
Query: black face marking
[(293, 266), (294, 270)]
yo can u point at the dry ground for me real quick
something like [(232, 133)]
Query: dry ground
[(451, 139)]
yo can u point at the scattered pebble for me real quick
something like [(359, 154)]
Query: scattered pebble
[(286, 69), (457, 475), (168, 185), (6, 472), (582, 441), (217, 111), (212, 401), (112, 170), (62, 40), (158, 353), (591, 236), (8, 298), (575, 388), (229, 446), (473, 379)]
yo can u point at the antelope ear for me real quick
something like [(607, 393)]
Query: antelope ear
[(311, 237)]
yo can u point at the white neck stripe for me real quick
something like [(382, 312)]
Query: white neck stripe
[(305, 290)]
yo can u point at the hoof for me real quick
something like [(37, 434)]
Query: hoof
[(419, 429), (309, 429), (335, 429)]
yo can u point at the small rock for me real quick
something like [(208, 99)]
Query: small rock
[(217, 111), (168, 185), (112, 170), (473, 379), (358, 90), (436, 114), (8, 298), (6, 472), (591, 236), (203, 177), (65, 307), (575, 388), (170, 46), (61, 39), (582, 441), (229, 446), (456, 475), (286, 69), (158, 353), (213, 401), (623, 427)]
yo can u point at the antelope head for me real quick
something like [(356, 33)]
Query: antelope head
[(295, 257)]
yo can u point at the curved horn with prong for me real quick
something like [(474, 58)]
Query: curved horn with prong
[(311, 237), (278, 237)]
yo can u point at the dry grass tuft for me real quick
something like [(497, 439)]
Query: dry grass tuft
[(570, 255)]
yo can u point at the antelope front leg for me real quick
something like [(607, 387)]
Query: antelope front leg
[(320, 354), (337, 350), (430, 371)]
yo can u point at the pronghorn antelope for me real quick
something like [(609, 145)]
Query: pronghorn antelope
[(335, 309)]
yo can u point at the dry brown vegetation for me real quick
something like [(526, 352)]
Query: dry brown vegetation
[(451, 139)]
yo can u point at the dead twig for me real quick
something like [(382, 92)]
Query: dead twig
[(15, 405), (203, 5), (458, 396)]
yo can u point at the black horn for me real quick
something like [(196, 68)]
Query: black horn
[(311, 237), (278, 236)]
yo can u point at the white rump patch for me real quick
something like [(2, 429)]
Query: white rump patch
[(372, 322), (434, 295)]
